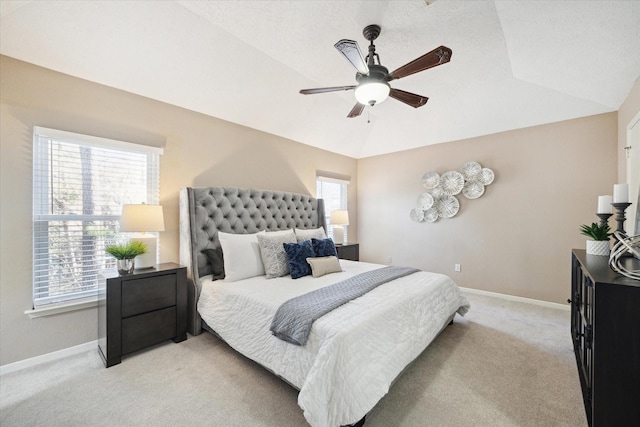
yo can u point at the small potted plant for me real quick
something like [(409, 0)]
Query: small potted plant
[(600, 234), (125, 254)]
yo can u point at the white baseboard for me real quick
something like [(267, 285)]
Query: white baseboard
[(49, 357), (565, 307)]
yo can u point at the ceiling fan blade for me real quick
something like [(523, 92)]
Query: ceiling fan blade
[(408, 98), (326, 89), (351, 51), (356, 110), (437, 56)]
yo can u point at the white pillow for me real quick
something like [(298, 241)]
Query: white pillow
[(241, 254), (324, 265), (312, 233)]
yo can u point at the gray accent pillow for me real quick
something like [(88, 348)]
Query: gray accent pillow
[(272, 252)]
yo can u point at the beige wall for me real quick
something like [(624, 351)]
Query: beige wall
[(628, 110), (516, 239), (198, 151)]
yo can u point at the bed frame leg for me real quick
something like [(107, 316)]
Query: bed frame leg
[(358, 424)]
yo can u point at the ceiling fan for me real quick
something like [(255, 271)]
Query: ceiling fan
[(373, 79)]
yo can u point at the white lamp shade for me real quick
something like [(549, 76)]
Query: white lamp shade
[(141, 218), (370, 93), (339, 217)]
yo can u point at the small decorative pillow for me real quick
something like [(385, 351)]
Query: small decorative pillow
[(272, 251), (297, 254), (241, 254), (313, 233), (324, 247), (324, 265), (217, 262)]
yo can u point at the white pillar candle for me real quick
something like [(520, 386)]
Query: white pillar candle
[(604, 205), (621, 193)]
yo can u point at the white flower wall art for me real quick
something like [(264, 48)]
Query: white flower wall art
[(440, 201)]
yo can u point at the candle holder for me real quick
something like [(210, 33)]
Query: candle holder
[(620, 218), (604, 217)]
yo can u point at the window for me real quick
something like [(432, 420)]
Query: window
[(80, 183), (334, 192)]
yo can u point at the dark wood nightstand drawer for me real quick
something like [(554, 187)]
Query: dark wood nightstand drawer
[(144, 330), (144, 295)]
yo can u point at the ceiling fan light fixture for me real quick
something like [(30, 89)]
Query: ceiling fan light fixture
[(373, 92)]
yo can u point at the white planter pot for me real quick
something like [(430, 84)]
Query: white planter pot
[(598, 247)]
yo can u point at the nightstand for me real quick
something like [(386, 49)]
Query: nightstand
[(350, 251), (141, 309)]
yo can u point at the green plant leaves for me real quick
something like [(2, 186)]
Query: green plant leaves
[(127, 250), (596, 231)]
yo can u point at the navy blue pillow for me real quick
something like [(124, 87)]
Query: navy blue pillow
[(297, 254), (324, 247)]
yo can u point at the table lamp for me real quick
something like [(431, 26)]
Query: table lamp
[(338, 219), (141, 219)]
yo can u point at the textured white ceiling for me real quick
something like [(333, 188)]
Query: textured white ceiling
[(514, 64)]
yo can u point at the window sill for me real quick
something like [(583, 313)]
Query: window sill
[(64, 307)]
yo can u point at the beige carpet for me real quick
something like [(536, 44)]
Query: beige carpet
[(504, 364)]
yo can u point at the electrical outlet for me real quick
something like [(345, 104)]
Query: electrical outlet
[(389, 260), (457, 268)]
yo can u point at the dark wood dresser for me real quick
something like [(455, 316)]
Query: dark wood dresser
[(141, 309), (605, 328)]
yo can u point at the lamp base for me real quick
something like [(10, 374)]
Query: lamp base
[(338, 234), (147, 259)]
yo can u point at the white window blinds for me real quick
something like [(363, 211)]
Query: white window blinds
[(80, 183), (335, 193)]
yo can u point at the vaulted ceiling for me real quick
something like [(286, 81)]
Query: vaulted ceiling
[(514, 64)]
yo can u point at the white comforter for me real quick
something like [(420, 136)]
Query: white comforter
[(353, 353)]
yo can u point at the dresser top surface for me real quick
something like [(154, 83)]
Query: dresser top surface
[(598, 269)]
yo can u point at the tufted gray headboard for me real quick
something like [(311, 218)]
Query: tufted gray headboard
[(207, 210)]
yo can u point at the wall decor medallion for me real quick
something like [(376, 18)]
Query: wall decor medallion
[(486, 176), (430, 180), (471, 170), (473, 189), (431, 215), (417, 215), (440, 201), (425, 201), (447, 206), (451, 183)]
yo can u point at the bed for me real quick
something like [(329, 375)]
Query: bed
[(354, 352)]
